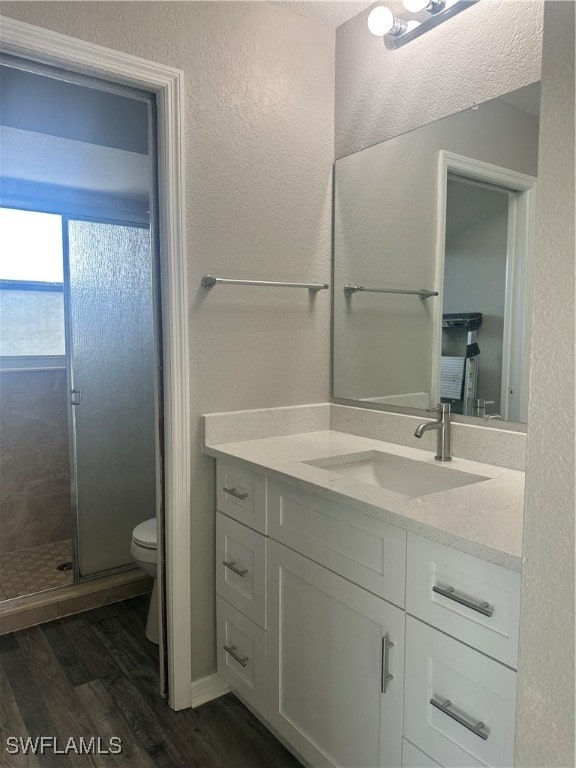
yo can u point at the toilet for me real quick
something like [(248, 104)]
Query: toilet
[(143, 549)]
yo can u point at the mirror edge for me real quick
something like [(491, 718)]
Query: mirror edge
[(404, 410)]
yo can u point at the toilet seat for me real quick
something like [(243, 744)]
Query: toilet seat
[(145, 535)]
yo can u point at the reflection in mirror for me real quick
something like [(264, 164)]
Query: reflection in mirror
[(432, 253), (474, 275)]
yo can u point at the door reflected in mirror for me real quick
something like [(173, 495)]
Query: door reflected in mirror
[(433, 244)]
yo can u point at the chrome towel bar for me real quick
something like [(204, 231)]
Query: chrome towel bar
[(422, 293), (209, 282)]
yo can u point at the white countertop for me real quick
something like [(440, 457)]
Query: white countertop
[(483, 519)]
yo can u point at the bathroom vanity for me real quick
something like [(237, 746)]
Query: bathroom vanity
[(368, 598)]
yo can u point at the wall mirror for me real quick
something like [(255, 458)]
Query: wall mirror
[(433, 235)]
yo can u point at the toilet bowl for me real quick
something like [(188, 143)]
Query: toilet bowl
[(143, 548)]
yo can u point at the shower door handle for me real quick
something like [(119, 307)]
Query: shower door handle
[(75, 397)]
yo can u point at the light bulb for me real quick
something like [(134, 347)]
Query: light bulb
[(381, 21), (415, 6)]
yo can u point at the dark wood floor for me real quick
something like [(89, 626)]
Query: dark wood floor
[(95, 674)]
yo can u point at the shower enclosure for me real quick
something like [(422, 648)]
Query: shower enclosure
[(112, 383)]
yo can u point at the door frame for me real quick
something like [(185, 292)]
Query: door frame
[(519, 270), (167, 83)]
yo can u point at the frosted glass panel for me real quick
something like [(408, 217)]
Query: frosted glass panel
[(31, 323), (113, 367)]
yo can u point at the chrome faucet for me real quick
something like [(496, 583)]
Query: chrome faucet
[(442, 426)]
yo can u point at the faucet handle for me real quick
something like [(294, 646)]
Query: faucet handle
[(440, 408)]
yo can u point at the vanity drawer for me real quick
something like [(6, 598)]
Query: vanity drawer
[(241, 568), (412, 757), (364, 550), (478, 689), (241, 494), (241, 654), (481, 604)]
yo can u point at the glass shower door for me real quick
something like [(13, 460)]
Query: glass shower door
[(113, 382)]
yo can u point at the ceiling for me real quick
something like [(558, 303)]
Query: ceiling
[(42, 159), (330, 13), (84, 114)]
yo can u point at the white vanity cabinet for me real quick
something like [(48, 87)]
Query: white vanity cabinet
[(459, 704), (241, 654), (241, 568), (460, 700), (241, 581), (335, 665), (358, 644), (364, 550), (241, 494), (466, 597)]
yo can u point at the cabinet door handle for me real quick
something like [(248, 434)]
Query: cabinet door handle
[(386, 676), (478, 729), (233, 567), (484, 608), (235, 493), (243, 660)]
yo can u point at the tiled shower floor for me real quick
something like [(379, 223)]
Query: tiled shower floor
[(34, 570)]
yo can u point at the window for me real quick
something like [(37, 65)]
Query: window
[(31, 284)]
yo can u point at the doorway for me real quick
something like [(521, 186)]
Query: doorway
[(474, 293), (59, 134), (484, 256), (45, 47)]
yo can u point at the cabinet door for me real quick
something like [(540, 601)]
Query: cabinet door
[(329, 653)]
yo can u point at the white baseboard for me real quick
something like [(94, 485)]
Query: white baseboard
[(208, 688)]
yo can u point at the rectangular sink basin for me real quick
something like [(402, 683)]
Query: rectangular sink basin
[(409, 477)]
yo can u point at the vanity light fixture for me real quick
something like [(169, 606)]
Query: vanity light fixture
[(382, 21), (418, 17)]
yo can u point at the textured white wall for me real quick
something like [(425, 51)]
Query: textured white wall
[(385, 231), (545, 731), (489, 49), (259, 150)]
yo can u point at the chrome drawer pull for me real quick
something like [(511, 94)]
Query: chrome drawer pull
[(233, 567), (484, 608), (386, 676), (241, 660), (475, 728), (235, 493)]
